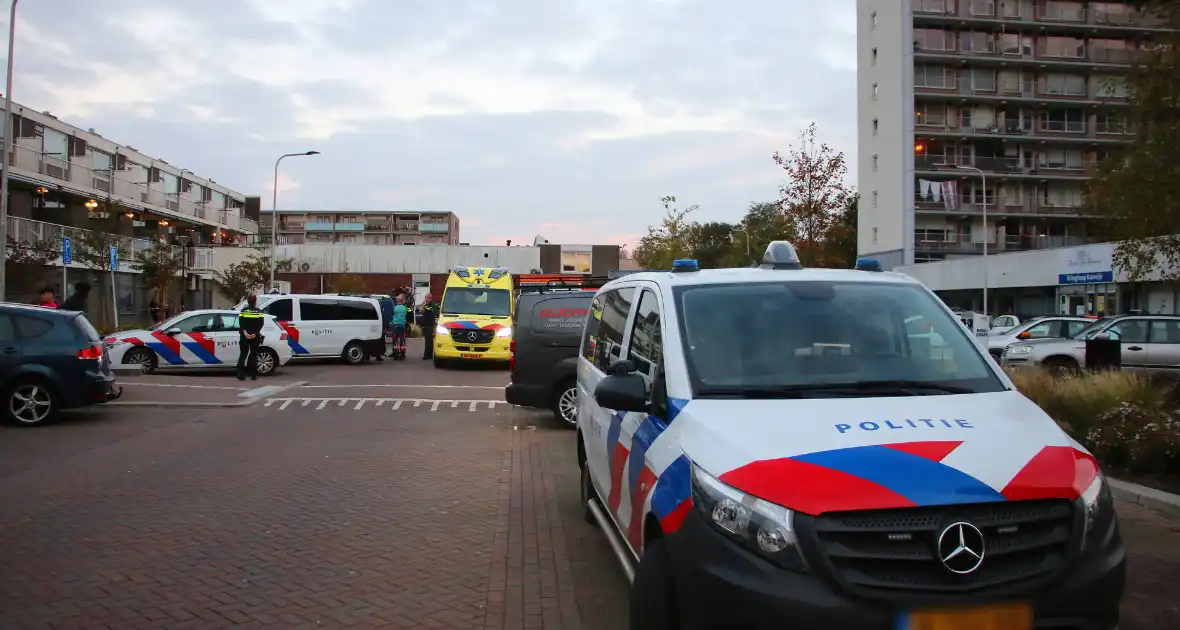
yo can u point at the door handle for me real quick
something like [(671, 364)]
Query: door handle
[(10, 350), (1135, 348)]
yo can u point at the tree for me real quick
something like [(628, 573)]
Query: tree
[(670, 240), (348, 283), (29, 266), (93, 251), (840, 242), (763, 222), (249, 276), (813, 195), (159, 265), (1136, 190), (713, 246)]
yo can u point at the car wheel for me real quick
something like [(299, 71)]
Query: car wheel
[(1061, 366), (653, 594), (30, 403), (565, 403), (588, 493), (439, 364), (266, 362), (354, 353), (146, 359)]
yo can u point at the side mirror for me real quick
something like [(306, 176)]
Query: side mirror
[(622, 367), (622, 392), (1024, 335), (1102, 336), (172, 332)]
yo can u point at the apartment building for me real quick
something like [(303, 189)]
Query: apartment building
[(68, 176), (363, 227), (973, 105)]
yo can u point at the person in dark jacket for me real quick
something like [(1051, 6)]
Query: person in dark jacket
[(77, 301), (427, 323), (250, 321)]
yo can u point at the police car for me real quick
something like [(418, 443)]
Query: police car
[(771, 448), (200, 339)]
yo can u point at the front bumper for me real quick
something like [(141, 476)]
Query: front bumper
[(721, 585), (526, 395), (497, 350)]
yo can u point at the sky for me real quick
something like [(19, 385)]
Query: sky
[(567, 119)]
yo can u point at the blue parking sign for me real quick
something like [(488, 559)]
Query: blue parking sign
[(114, 258), (67, 250)]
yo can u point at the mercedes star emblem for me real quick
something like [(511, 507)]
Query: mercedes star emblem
[(472, 336), (960, 547)]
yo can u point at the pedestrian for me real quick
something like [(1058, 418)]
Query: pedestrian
[(77, 301), (427, 323), (399, 329), (409, 293), (250, 321), (47, 298)]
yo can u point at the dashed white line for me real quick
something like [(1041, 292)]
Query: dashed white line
[(360, 404)]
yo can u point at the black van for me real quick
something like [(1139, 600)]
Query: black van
[(546, 336)]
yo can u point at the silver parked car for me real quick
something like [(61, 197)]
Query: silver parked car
[(1045, 327), (1150, 343)]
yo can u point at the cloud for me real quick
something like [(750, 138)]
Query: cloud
[(516, 115)]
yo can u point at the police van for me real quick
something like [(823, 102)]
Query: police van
[(326, 326), (775, 448)]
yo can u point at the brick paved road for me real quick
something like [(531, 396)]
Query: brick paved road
[(342, 517)]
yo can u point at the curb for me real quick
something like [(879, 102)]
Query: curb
[(267, 392), (1148, 497)]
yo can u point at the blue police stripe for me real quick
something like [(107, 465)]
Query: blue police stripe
[(202, 354), (672, 488), (295, 347), (921, 480), (612, 436), (645, 435), (166, 353)]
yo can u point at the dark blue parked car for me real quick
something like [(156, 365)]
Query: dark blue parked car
[(50, 360)]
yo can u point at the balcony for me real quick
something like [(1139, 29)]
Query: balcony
[(963, 243), (27, 233), (406, 227), (434, 228), (52, 171), (1027, 90), (1013, 17), (1027, 207), (1058, 131), (1005, 167)]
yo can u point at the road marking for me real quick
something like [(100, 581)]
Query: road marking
[(359, 404), (180, 386), (348, 386)]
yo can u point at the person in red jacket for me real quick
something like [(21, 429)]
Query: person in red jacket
[(47, 298)]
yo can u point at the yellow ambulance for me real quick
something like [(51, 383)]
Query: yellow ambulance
[(475, 319)]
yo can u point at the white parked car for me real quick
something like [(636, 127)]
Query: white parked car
[(201, 339), (326, 326)]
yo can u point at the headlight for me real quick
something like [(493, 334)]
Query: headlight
[(440, 330), (1097, 503), (1015, 350), (504, 332), (760, 526)]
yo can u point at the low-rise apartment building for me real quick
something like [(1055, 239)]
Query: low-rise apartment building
[(363, 227), (62, 174)]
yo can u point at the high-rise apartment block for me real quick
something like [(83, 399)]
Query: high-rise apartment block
[(363, 227), (1003, 106)]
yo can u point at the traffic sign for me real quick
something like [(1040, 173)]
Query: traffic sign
[(67, 250), (114, 258)]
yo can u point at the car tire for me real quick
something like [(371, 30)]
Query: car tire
[(268, 358), (653, 593), (354, 353), (144, 357), (565, 403), (588, 494), (1061, 366), (439, 364), (30, 402)]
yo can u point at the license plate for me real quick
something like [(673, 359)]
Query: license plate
[(1003, 617), (467, 355)]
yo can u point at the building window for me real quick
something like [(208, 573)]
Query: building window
[(934, 39), (575, 262), (874, 235), (876, 126), (876, 161), (873, 56), (876, 90), (1061, 47), (875, 196), (873, 20), (937, 77)]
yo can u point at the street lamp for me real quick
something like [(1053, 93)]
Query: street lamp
[(4, 161), (274, 214), (747, 235), (983, 184)]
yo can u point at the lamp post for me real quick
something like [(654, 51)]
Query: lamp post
[(983, 184), (4, 161), (274, 215), (744, 233)]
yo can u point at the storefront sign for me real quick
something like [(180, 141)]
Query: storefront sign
[(1093, 277)]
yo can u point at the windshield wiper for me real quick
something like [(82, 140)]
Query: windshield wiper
[(879, 388)]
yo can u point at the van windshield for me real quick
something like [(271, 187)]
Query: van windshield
[(465, 301), (809, 336)]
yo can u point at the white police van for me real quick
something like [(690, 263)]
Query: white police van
[(326, 326), (770, 448)]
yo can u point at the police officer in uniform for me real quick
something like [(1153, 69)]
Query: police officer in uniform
[(249, 338), (428, 322)]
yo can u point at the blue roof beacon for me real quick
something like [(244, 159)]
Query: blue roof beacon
[(780, 255), (685, 264), (868, 264)]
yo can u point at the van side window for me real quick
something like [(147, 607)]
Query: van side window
[(604, 330), (646, 349), (319, 310), (590, 334), (356, 310), (281, 309)]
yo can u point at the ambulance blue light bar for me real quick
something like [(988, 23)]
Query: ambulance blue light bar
[(868, 264), (685, 264)]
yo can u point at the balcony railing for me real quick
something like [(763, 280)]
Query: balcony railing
[(107, 183), (433, 227), (29, 233), (963, 242)]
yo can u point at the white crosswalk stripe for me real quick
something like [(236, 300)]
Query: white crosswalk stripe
[(395, 404)]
